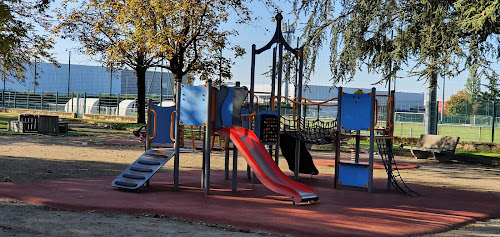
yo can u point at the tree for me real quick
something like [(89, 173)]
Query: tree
[(20, 42), (480, 18), (385, 34), (460, 104), (141, 34)]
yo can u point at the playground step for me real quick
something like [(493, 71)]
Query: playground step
[(139, 172)]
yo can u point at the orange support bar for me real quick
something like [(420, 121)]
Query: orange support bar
[(154, 131), (172, 126)]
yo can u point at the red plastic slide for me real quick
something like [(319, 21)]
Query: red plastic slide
[(264, 166)]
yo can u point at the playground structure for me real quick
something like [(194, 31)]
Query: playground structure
[(223, 111), (223, 115)]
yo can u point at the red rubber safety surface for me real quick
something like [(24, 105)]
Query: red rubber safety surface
[(338, 212)]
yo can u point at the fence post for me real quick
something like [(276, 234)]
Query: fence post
[(15, 99), (77, 103), (28, 100), (3, 98), (57, 100), (479, 133), (411, 132), (72, 102), (41, 100), (117, 105), (99, 104), (85, 103), (494, 120)]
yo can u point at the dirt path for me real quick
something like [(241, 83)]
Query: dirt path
[(26, 158)]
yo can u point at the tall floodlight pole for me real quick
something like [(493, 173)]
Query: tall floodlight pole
[(442, 101), (34, 80), (111, 79), (69, 69)]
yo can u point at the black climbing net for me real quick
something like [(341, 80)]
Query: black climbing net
[(387, 155), (311, 131)]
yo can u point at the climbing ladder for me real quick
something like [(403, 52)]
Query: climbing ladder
[(143, 168), (385, 150)]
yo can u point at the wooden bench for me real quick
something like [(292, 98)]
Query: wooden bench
[(442, 147)]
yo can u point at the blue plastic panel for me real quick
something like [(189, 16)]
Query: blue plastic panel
[(193, 105), (227, 109), (356, 110), (163, 119), (354, 174)]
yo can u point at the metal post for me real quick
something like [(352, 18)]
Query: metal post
[(273, 86), (479, 134), (69, 70), (34, 80), (338, 137), (3, 92), (85, 103), (391, 120), (149, 125), (28, 100), (15, 99), (208, 133), (252, 91), (280, 82), (494, 120), (273, 78), (372, 139), (177, 133), (235, 168), (442, 101), (41, 100), (226, 162), (117, 104), (111, 80), (252, 79), (299, 108), (57, 101), (161, 85), (99, 104)]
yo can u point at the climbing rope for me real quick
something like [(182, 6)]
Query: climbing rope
[(385, 150)]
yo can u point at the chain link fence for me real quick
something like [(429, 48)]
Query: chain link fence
[(79, 103)]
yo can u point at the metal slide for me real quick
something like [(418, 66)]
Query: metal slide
[(264, 166), (143, 168)]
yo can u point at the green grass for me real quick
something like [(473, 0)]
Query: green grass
[(5, 118), (117, 127), (490, 154), (465, 132)]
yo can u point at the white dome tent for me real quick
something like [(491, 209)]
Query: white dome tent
[(127, 108), (82, 106)]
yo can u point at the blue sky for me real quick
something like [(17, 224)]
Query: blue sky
[(259, 32)]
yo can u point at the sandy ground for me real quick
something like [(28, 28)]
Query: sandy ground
[(25, 158)]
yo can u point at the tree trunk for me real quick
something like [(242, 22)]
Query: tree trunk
[(141, 94), (431, 115)]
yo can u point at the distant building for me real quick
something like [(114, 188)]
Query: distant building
[(92, 80), (405, 101)]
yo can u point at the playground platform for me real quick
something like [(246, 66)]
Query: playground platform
[(344, 212)]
